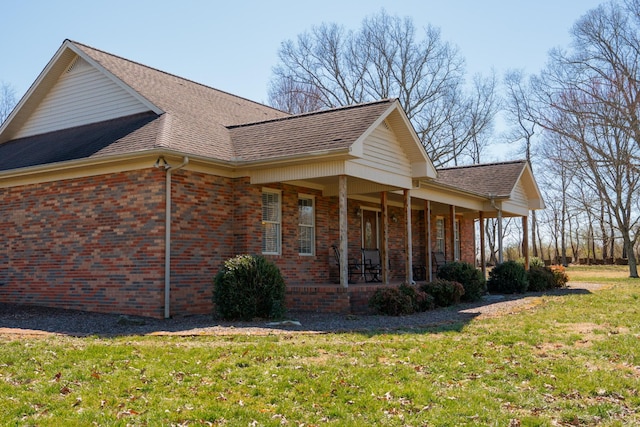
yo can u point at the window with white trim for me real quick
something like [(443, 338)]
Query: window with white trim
[(271, 222), (306, 225), (440, 234)]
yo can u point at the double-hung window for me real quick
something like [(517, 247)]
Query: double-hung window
[(440, 234), (306, 225), (271, 222)]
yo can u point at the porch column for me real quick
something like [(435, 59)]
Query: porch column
[(408, 246), (500, 259), (344, 236), (384, 248), (483, 261), (427, 221), (525, 242), (452, 233)]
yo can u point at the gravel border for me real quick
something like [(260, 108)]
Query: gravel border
[(20, 320)]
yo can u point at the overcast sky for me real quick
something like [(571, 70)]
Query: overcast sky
[(232, 46)]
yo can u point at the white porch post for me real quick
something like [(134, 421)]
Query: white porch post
[(525, 242), (344, 239), (408, 246), (384, 248), (483, 261), (500, 259)]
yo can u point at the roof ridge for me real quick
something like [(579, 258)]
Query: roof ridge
[(476, 165), (313, 113), (172, 75)]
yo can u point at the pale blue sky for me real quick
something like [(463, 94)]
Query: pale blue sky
[(233, 45)]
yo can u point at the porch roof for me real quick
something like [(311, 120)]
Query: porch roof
[(506, 186)]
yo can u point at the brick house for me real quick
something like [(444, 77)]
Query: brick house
[(124, 188)]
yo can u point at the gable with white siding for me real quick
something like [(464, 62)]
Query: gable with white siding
[(82, 95), (518, 202), (383, 150)]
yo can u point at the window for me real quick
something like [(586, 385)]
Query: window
[(271, 223), (440, 234), (306, 225), (456, 242)]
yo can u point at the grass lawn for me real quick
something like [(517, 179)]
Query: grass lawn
[(570, 360)]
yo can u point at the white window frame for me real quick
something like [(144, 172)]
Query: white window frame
[(440, 239), (310, 227), (273, 221)]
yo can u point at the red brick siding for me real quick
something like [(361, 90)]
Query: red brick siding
[(319, 299), (93, 243), (202, 237), (97, 243)]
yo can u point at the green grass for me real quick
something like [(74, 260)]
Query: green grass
[(569, 360)]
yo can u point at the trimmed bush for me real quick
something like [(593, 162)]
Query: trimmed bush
[(248, 287), (467, 275), (540, 279), (508, 278), (400, 301), (444, 292), (559, 276), (391, 301), (421, 300)]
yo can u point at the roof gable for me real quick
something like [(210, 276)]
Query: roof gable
[(306, 134), (81, 95), (506, 180), (343, 130), (198, 114), (490, 180)]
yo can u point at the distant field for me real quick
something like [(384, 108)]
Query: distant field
[(587, 273)]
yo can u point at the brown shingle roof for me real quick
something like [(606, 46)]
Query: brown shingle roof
[(306, 133), (198, 114), (490, 180)]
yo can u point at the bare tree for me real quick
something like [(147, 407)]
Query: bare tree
[(523, 126), (7, 101), (386, 58), (295, 98), (558, 180), (590, 96)]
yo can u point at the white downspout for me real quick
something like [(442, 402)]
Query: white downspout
[(167, 236)]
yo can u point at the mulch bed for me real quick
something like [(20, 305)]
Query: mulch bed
[(20, 320)]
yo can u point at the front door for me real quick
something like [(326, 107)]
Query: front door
[(370, 229)]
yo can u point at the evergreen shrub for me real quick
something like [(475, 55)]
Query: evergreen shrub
[(248, 287), (466, 274), (508, 278)]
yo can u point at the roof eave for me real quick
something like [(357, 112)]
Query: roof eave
[(315, 156)]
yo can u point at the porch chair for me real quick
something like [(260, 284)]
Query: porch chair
[(353, 264), (437, 261), (372, 265)]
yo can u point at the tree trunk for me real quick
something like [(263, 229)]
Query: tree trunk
[(628, 247)]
